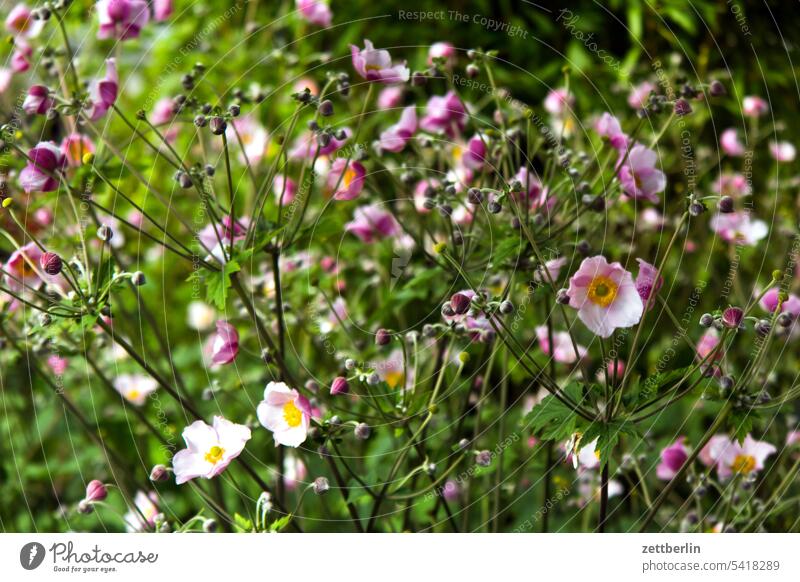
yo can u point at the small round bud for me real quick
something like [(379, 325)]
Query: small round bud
[(763, 327), (506, 307), (418, 79), (339, 386), (200, 121), (95, 491), (382, 337), (463, 444), (726, 205), (483, 458), (210, 170), (785, 319), (474, 196), (209, 525), (717, 89), (584, 248), (234, 110), (51, 263), (326, 108), (138, 279), (349, 364), (266, 356), (697, 208), (373, 379), (682, 107), (494, 207), (726, 383), (45, 319), (185, 180), (362, 431), (472, 70), (159, 473), (562, 297), (460, 303), (217, 125), (104, 233), (706, 320), (321, 486), (732, 317)]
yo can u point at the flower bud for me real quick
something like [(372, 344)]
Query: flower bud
[(51, 263), (209, 525), (726, 205), (326, 108), (717, 89), (463, 444), (320, 486), (382, 337), (682, 107), (159, 473), (362, 431), (494, 207), (339, 386), (706, 320), (474, 196), (95, 491), (138, 279), (506, 307), (460, 303), (483, 458), (562, 297), (732, 317), (104, 233), (763, 327), (472, 70), (373, 379), (217, 125)]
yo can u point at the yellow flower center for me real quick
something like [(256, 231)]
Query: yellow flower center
[(214, 454), (133, 394), (394, 379), (372, 67), (292, 414), (602, 291), (743, 464), (349, 176)]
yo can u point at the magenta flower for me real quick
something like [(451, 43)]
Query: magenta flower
[(162, 10), (57, 364), (730, 144), (562, 349), (640, 95), (74, 147), (371, 224), (672, 459), (609, 128), (732, 317), (395, 138), (639, 176), (20, 22), (558, 102), (735, 459), (532, 189), (224, 344), (442, 50), (390, 97), (103, 92), (552, 267), (22, 265), (739, 228), (709, 454), (376, 65), (769, 302), (734, 185), (444, 114), (648, 282), (708, 342), (121, 19), (37, 101), (284, 187), (95, 491), (605, 296), (315, 12), (474, 156), (286, 413), (209, 449), (782, 151), (40, 175), (754, 106), (339, 386), (20, 59), (347, 177)]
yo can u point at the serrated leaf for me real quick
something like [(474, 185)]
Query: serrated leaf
[(242, 524), (280, 523), (218, 283), (551, 419)]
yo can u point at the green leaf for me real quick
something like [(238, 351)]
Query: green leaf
[(551, 419), (740, 424), (242, 524), (280, 523), (217, 283), (607, 435)]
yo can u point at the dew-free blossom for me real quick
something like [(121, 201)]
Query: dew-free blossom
[(103, 92), (315, 11), (286, 413), (45, 161), (144, 516), (223, 346), (20, 22), (782, 151), (121, 19), (346, 179), (605, 296), (562, 349), (135, 388), (38, 100), (373, 223), (209, 448), (648, 282), (376, 65), (672, 459), (729, 141), (741, 459), (739, 228), (558, 102), (609, 128), (640, 177), (754, 106), (444, 114), (395, 138), (74, 147)]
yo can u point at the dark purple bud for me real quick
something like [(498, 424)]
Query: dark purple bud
[(682, 107), (326, 108), (159, 473), (382, 337), (732, 317), (717, 89), (460, 303), (339, 386), (51, 263), (726, 205), (217, 125), (362, 431)]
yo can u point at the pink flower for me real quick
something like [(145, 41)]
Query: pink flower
[(588, 456), (209, 449), (639, 176), (732, 184), (558, 102), (163, 111), (20, 58), (646, 283), (371, 223), (532, 189), (75, 146), (608, 127), (390, 97), (552, 267), (733, 458), (376, 65), (444, 114), (474, 157), (284, 187), (211, 235), (640, 95), (145, 514), (286, 413), (652, 218), (20, 22), (442, 50), (38, 100), (95, 491), (254, 138), (708, 342), (792, 438), (121, 19), (782, 151), (22, 265), (754, 106), (729, 141), (103, 92), (57, 364), (739, 228), (306, 146), (315, 12), (347, 177), (395, 138), (294, 472), (162, 10), (769, 302), (450, 490), (224, 344), (605, 296), (563, 351), (40, 175), (672, 459), (135, 388)]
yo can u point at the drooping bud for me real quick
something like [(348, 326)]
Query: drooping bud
[(51, 263), (138, 279), (104, 233), (339, 386), (321, 486), (95, 491), (217, 125), (362, 431), (159, 473), (382, 337)]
